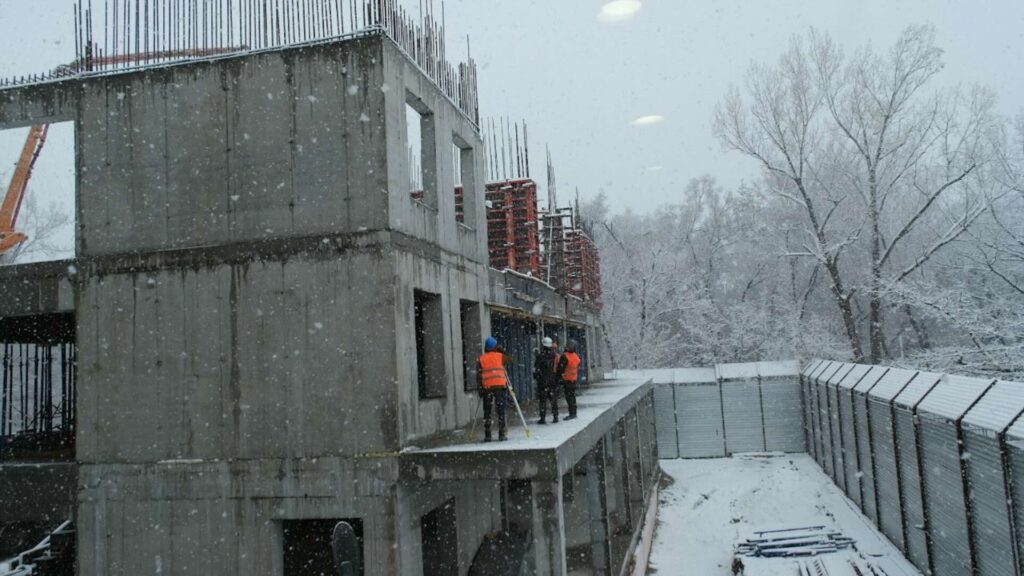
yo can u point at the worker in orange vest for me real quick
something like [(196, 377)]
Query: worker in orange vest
[(567, 374), (493, 384)]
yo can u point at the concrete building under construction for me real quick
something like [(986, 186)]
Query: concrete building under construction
[(262, 332)]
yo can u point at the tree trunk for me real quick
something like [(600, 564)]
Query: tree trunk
[(876, 335), (845, 310)]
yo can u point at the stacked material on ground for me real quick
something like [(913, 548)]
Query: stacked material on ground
[(789, 542)]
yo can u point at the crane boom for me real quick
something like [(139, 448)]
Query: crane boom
[(9, 237)]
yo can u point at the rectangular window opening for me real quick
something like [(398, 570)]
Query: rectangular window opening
[(308, 547), (463, 167), (469, 322), (430, 348), (422, 162), (37, 189)]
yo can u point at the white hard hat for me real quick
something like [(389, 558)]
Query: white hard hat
[(546, 342)]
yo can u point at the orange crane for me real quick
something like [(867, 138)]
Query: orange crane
[(10, 238)]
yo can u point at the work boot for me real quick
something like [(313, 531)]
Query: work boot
[(541, 421), (487, 436), (502, 437), (570, 417), (555, 419)]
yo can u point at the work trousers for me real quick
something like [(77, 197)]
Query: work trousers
[(570, 397), (548, 393), (494, 399)]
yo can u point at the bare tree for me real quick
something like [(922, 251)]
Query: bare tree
[(781, 122), (907, 149)]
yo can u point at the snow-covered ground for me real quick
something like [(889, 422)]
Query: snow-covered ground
[(715, 503)]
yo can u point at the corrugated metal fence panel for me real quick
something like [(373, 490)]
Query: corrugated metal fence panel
[(811, 398), (993, 540), (998, 408), (665, 421), (910, 487), (1015, 461), (867, 479), (805, 400), (824, 423), (741, 404), (837, 437), (783, 414), (890, 519), (850, 458), (699, 417), (944, 498)]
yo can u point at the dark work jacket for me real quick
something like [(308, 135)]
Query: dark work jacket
[(544, 367)]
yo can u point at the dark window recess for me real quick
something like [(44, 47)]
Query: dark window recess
[(469, 323), (568, 486), (440, 541), (430, 370), (307, 546)]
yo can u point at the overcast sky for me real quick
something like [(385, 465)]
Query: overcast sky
[(580, 80)]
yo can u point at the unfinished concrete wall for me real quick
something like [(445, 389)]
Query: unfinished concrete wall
[(43, 288), (437, 274), (247, 360), (43, 103), (432, 220), (225, 518), (277, 144), (477, 511)]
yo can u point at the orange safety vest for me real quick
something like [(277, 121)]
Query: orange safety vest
[(572, 366), (492, 370)]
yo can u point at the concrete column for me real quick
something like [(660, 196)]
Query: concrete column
[(597, 503), (548, 527)]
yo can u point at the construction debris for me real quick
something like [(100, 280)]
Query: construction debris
[(794, 542)]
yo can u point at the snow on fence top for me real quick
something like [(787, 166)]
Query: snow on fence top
[(825, 365), (812, 366), (1016, 432), (998, 408), (693, 375), (870, 379), (668, 375), (891, 384), (744, 371), (779, 368), (917, 389), (825, 375), (838, 376), (854, 376), (953, 396)]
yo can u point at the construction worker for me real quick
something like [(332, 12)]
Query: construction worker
[(544, 364), (493, 384), (567, 374)]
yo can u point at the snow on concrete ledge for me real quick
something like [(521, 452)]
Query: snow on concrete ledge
[(549, 451)]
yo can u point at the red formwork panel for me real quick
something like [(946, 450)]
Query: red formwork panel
[(512, 227), (582, 266)]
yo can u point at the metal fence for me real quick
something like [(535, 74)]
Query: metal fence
[(935, 460), (728, 409)]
